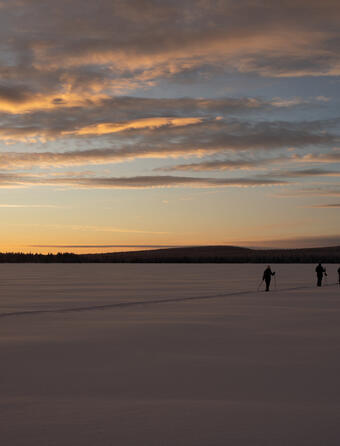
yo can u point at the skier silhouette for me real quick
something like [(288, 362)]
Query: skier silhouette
[(267, 276), (339, 275), (320, 272)]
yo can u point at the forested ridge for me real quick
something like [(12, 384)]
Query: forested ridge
[(196, 254)]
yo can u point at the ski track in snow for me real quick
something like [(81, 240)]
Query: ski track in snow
[(147, 302)]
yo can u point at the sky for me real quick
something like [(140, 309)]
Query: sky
[(150, 123)]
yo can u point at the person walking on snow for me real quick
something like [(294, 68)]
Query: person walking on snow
[(267, 276), (320, 272)]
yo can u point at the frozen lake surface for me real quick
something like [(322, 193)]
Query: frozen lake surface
[(62, 286), (120, 354)]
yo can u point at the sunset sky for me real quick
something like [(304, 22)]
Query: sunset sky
[(135, 123)]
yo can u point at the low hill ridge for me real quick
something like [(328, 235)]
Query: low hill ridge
[(190, 254)]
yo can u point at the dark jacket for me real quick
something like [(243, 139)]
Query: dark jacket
[(320, 270), (267, 274)]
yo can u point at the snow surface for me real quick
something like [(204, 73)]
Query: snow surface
[(120, 354)]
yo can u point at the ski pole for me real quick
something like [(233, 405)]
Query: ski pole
[(259, 285)]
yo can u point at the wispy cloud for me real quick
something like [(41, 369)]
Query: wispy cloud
[(181, 137), (146, 123), (328, 157), (97, 228), (312, 241), (137, 182), (105, 246), (327, 205), (137, 116), (301, 173), (321, 190), (226, 164), (30, 206)]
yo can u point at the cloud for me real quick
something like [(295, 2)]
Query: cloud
[(166, 137), (226, 164), (137, 182), (322, 190), (259, 162), (14, 94), (99, 50), (302, 173), (329, 157), (98, 228), (291, 102), (327, 205), (30, 206), (79, 81), (106, 246), (146, 123), (93, 115), (316, 241), (216, 32), (20, 99)]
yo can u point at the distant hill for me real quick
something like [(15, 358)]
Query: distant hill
[(224, 254), (196, 254)]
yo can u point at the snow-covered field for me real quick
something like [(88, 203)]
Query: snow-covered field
[(168, 355)]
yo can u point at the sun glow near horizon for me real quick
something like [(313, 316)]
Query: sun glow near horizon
[(128, 127)]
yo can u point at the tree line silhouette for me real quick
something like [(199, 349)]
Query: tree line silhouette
[(198, 254)]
